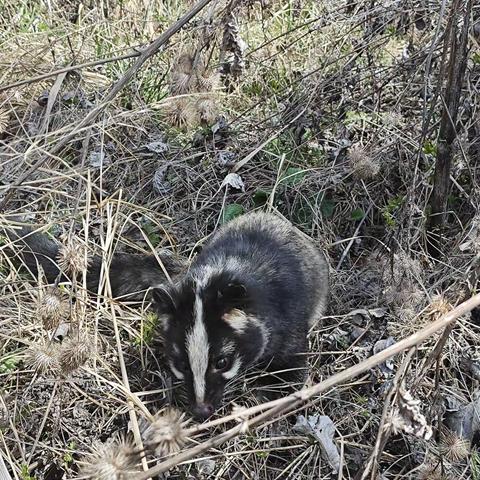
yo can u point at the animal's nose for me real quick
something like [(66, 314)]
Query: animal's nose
[(203, 410)]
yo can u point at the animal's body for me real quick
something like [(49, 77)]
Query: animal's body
[(249, 297)]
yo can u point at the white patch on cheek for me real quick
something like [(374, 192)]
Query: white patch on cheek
[(237, 363), (237, 319), (198, 350), (176, 372)]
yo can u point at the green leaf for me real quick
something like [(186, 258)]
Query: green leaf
[(357, 214), (152, 235), (292, 176), (149, 325), (232, 211), (25, 474), (260, 197), (327, 207), (9, 364), (476, 58), (429, 148)]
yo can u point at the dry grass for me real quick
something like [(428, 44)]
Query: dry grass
[(341, 93)]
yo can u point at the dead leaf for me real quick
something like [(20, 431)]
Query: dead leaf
[(388, 365), (226, 158), (52, 96), (160, 183), (235, 181), (98, 158), (407, 416), (96, 79), (322, 429), (463, 419), (206, 466), (157, 147), (60, 333)]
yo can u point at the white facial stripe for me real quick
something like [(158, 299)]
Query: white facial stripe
[(237, 363), (218, 265), (198, 348), (263, 331), (176, 372), (237, 319)]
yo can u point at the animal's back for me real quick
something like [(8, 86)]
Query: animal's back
[(286, 269)]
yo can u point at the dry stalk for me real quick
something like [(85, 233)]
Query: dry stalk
[(434, 356), (383, 433), (121, 83), (131, 408), (287, 404), (4, 475), (70, 68)]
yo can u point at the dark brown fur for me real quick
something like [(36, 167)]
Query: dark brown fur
[(131, 275)]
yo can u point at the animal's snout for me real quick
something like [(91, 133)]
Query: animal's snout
[(203, 410)]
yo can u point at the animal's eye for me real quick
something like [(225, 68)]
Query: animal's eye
[(222, 363)]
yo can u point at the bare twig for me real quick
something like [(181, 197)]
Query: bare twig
[(93, 114), (290, 402), (434, 355), (70, 68)]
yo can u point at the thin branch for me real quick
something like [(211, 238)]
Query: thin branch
[(121, 83), (384, 433), (70, 68)]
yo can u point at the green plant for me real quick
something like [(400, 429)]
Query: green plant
[(357, 214), (25, 474), (292, 176), (327, 207), (231, 211), (151, 232), (9, 364), (429, 148), (149, 325), (389, 210)]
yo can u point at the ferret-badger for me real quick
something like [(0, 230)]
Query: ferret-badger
[(248, 298)]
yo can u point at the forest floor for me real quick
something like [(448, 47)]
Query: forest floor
[(324, 112)]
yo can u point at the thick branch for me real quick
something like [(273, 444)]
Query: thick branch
[(459, 24), (289, 403)]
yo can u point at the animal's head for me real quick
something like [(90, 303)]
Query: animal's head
[(209, 335)]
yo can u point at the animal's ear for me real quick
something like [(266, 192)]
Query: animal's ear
[(163, 300), (233, 293)]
